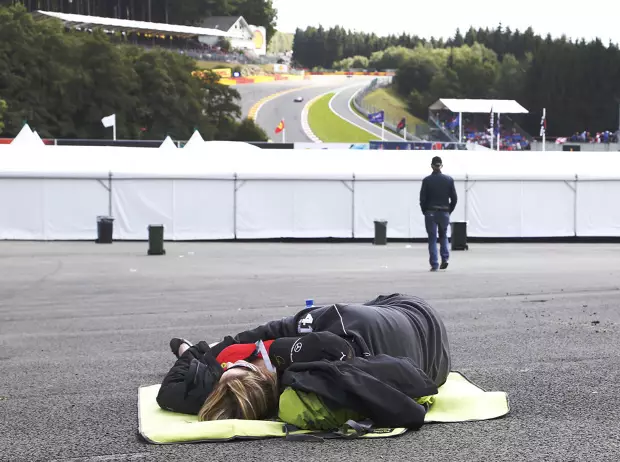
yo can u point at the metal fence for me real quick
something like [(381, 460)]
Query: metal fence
[(365, 109)]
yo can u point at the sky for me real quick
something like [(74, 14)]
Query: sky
[(596, 18)]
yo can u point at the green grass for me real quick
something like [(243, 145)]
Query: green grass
[(330, 128), (395, 108)]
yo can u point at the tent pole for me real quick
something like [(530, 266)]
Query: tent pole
[(353, 207), (235, 206), (465, 201), (110, 194), (575, 206)]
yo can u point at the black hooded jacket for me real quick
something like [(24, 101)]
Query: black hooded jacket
[(395, 348)]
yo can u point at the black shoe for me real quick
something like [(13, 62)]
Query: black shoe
[(444, 265), (176, 343), (433, 269)]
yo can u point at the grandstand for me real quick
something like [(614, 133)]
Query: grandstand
[(469, 120), (197, 42)]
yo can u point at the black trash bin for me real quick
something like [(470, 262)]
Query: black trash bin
[(156, 240), (105, 229), (380, 232), (459, 235)]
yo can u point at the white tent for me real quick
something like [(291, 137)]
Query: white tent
[(195, 141), (478, 106), (243, 193), (27, 138), (168, 144)]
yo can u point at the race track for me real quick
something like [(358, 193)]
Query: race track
[(254, 92), (82, 326), (283, 107), (340, 105)]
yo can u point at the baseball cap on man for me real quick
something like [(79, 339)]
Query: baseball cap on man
[(437, 160)]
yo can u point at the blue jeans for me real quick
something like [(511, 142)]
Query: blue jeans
[(437, 223)]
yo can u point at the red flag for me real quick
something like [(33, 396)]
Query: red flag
[(280, 126)]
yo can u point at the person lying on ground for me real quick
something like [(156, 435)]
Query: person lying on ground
[(379, 360)]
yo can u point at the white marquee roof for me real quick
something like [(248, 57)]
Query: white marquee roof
[(479, 106), (85, 22), (243, 163)]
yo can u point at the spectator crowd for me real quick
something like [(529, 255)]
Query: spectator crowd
[(586, 137), (476, 130)]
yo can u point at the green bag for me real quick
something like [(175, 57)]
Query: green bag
[(307, 411)]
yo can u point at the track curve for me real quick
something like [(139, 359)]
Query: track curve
[(341, 105), (254, 92), (284, 107)]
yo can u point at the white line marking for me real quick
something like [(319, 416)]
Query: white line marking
[(107, 458), (305, 123)]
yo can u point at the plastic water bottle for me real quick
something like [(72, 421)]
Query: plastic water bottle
[(309, 303)]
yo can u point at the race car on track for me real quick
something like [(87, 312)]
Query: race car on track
[(299, 99)]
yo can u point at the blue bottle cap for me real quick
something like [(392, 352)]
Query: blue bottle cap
[(309, 303)]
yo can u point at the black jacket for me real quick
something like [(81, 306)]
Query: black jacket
[(401, 352), (438, 193)]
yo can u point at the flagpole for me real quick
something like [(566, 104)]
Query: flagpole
[(544, 130), (492, 135), (283, 131), (499, 130)]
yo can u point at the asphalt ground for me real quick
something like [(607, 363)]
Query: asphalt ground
[(82, 326)]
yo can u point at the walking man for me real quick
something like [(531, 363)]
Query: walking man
[(437, 201)]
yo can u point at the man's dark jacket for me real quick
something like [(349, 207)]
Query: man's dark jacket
[(401, 352), (438, 193)]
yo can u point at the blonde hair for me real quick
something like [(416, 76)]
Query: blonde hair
[(252, 396)]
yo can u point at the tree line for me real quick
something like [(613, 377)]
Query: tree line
[(64, 82), (578, 82), (185, 12)]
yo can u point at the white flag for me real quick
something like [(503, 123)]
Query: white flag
[(109, 121)]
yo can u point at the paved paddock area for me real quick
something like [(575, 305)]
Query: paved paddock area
[(83, 325)]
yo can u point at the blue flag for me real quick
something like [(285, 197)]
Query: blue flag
[(376, 117)]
